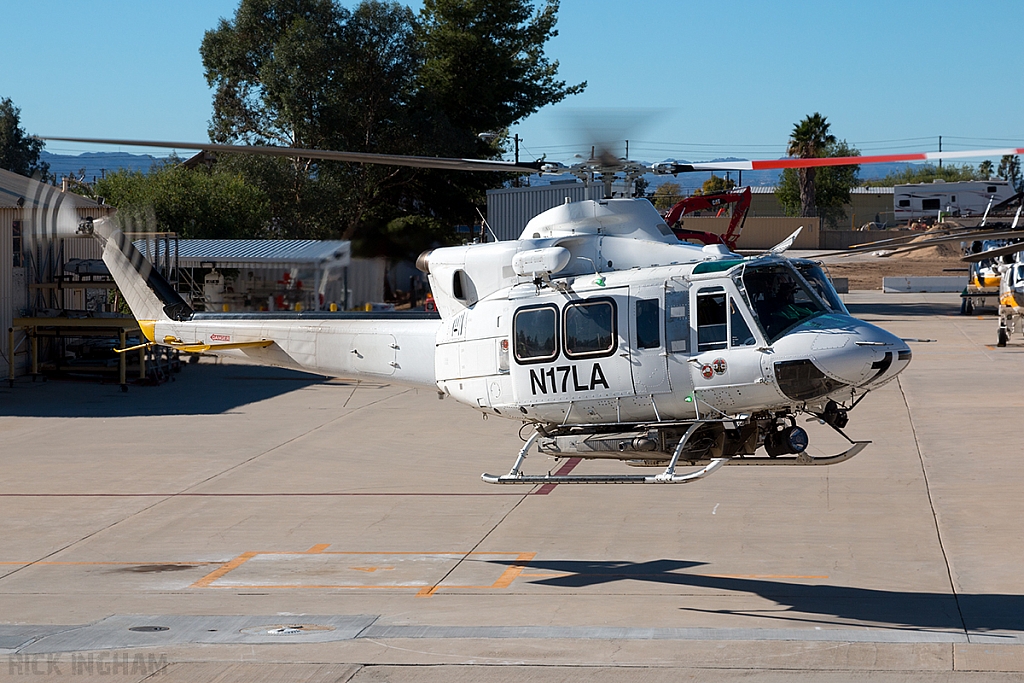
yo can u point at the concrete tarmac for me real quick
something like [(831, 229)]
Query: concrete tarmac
[(247, 523)]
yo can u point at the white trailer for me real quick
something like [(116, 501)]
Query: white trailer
[(962, 198)]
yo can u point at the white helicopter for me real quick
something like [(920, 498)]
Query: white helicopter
[(598, 328)]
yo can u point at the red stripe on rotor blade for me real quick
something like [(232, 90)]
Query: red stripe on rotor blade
[(836, 161)]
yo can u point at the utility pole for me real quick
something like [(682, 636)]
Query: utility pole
[(515, 181), (940, 149)]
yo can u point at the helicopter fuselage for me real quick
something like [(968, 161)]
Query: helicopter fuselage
[(597, 320), (629, 326)]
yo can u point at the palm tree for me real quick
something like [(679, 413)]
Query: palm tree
[(809, 140)]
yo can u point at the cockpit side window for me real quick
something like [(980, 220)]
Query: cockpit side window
[(780, 299), (821, 285), (740, 334), (712, 331)]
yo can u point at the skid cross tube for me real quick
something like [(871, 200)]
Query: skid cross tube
[(515, 475)]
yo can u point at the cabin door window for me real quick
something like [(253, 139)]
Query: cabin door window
[(677, 319), (712, 325), (648, 324), (535, 330)]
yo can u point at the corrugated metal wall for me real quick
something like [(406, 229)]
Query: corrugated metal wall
[(510, 209), (366, 280), (82, 247), (6, 281), (13, 290)]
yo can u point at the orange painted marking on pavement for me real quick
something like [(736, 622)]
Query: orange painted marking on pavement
[(223, 569), (514, 570), (504, 581), (314, 586), (54, 563), (372, 569)]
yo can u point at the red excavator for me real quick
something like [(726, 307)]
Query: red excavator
[(710, 202)]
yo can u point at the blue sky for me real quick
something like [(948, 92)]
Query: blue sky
[(694, 80)]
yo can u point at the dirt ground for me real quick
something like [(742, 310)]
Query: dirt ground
[(867, 272)]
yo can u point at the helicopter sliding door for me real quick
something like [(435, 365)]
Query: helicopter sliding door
[(571, 359), (650, 361), (727, 356)]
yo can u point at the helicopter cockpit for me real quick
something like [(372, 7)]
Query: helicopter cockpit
[(781, 300), (821, 285)]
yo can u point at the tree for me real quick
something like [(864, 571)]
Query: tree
[(715, 185), (832, 187), (484, 64), (640, 186), (667, 195), (926, 173), (376, 79), (985, 169), (809, 139), (195, 203), (1009, 169), (311, 73), (19, 153)]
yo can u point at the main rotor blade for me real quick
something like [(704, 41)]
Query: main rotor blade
[(795, 162), (327, 155), (913, 246), (963, 231), (908, 237), (942, 239), (994, 253), (661, 168)]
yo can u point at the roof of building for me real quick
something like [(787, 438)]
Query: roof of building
[(251, 253), (34, 194)]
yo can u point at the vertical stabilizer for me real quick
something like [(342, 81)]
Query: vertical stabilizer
[(148, 294)]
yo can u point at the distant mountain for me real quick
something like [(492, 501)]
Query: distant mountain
[(96, 164)]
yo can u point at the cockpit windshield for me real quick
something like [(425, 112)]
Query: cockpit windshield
[(780, 298), (814, 275)]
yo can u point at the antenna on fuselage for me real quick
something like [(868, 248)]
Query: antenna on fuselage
[(483, 221)]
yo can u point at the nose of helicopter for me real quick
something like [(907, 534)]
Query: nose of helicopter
[(843, 351), (859, 353)]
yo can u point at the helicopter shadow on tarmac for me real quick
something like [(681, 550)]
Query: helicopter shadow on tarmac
[(203, 389), (801, 602)]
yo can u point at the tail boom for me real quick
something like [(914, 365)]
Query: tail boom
[(385, 349)]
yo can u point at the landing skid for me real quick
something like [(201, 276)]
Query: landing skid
[(669, 476)]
